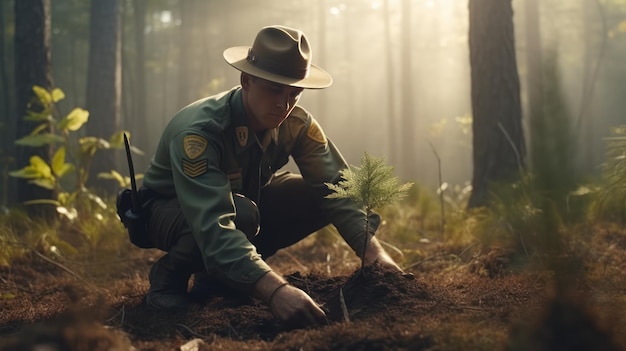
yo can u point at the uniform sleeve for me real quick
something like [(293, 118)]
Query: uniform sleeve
[(206, 201), (320, 161)]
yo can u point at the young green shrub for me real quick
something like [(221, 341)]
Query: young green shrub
[(513, 219), (85, 218), (67, 170), (610, 197)]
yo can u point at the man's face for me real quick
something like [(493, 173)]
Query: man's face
[(267, 103)]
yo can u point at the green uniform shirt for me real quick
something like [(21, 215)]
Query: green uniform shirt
[(208, 151)]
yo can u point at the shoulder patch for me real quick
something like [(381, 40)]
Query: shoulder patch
[(194, 146), (315, 132)]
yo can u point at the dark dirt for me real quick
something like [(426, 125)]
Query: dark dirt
[(478, 303)]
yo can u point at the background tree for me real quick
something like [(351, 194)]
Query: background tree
[(594, 26), (394, 145), (534, 86), (134, 73), (104, 82), (410, 159), (4, 76), (321, 55), (32, 67), (7, 122), (499, 148), (190, 33)]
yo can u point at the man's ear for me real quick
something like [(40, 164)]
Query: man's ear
[(244, 79)]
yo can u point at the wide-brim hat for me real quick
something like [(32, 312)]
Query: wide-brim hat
[(280, 54)]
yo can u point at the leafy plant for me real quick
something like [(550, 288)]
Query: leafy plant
[(67, 170), (370, 186), (84, 216)]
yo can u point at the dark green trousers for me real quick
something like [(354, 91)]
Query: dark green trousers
[(288, 211)]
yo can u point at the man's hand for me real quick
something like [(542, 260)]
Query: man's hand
[(376, 253), (288, 304), (295, 307)]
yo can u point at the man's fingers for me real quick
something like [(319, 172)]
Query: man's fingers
[(319, 315), (310, 317), (295, 307)]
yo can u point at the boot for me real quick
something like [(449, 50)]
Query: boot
[(207, 285), (168, 287), (203, 287)]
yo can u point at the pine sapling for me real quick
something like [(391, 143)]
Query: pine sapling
[(371, 186)]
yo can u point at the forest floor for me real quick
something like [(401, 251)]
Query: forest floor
[(457, 299)]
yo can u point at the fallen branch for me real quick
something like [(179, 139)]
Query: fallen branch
[(344, 308), (43, 257), (470, 308), (413, 265), (194, 333)]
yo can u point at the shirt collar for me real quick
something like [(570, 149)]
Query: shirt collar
[(244, 134)]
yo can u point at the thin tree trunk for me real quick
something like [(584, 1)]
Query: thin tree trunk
[(320, 58), (391, 93), (138, 120), (32, 67), (534, 86), (4, 77), (104, 85), (6, 122), (407, 97), (592, 57)]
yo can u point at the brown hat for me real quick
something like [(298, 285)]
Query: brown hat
[(282, 55)]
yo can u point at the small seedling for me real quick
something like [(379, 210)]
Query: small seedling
[(371, 186)]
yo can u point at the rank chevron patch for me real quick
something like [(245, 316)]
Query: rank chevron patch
[(195, 168)]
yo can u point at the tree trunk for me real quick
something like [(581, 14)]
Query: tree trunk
[(187, 38), (7, 121), (32, 67), (394, 146), (498, 145), (4, 77), (593, 53), (321, 54), (534, 86), (410, 163), (138, 119), (104, 85)]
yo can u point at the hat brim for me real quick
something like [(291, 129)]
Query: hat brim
[(317, 78)]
